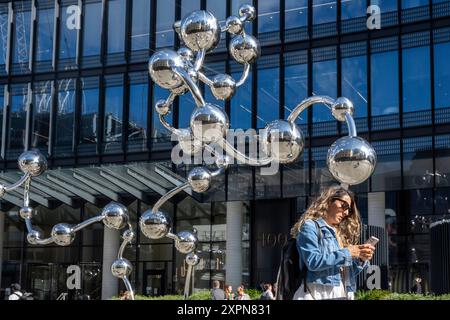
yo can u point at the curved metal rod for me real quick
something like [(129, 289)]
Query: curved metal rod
[(172, 236), (128, 286), (17, 184), (193, 88), (232, 152), (26, 192), (168, 126), (351, 125), (29, 225), (307, 103), (217, 172), (169, 195), (224, 28), (203, 78), (244, 76), (30, 229), (124, 244), (187, 284), (199, 59), (170, 99), (86, 223)]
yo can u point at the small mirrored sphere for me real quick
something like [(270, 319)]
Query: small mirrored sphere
[(200, 30), (161, 66), (209, 123), (62, 234), (2, 190), (188, 143), (32, 162), (199, 179), (351, 160), (223, 87), (155, 225), (162, 107), (245, 48), (249, 10), (186, 242), (186, 54), (115, 215), (128, 235), (340, 107), (223, 161), (26, 212), (121, 268), (234, 25), (192, 259), (33, 237), (283, 141)]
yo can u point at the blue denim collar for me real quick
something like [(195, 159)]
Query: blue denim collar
[(322, 224)]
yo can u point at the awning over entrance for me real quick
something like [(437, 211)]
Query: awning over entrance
[(95, 184)]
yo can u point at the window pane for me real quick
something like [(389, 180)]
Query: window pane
[(186, 106), (116, 26), (417, 163), (4, 36), (241, 103), (413, 3), (2, 105), (65, 118), (140, 30), (296, 13), (42, 106), (268, 15), (324, 11), (384, 83), (92, 25), (187, 6), (67, 36), (165, 16), (219, 10), (113, 118), (268, 103), (137, 118), (21, 34), (295, 84), (442, 169), (44, 41), (89, 115), (442, 75), (17, 120), (387, 174), (324, 83), (416, 86), (352, 9)]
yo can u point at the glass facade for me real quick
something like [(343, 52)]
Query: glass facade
[(75, 85)]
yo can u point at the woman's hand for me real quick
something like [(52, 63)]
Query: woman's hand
[(362, 251)]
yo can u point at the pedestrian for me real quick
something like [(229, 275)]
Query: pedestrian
[(216, 292), (229, 295), (125, 295), (268, 292), (16, 293), (417, 287), (327, 237), (241, 295)]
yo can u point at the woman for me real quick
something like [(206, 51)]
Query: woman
[(229, 295), (327, 235), (241, 294)]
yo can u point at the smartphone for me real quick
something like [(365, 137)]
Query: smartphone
[(372, 240)]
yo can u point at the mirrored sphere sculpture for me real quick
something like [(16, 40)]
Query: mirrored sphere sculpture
[(121, 268), (155, 225), (32, 162), (115, 215)]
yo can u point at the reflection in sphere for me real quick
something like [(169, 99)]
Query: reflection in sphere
[(209, 123), (186, 242), (121, 268), (32, 162), (154, 225), (199, 179), (161, 67), (245, 48), (188, 144), (192, 259), (340, 107), (62, 234), (115, 215), (351, 160), (223, 87), (200, 30)]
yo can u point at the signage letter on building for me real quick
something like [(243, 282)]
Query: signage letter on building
[(74, 280)]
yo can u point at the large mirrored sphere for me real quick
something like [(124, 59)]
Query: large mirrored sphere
[(26, 212), (209, 123), (247, 10), (283, 141), (33, 237), (32, 162), (351, 160), (223, 87), (186, 242), (188, 144), (62, 234), (340, 107), (245, 48), (115, 215), (199, 179), (192, 259), (155, 225), (200, 30), (121, 268), (161, 67)]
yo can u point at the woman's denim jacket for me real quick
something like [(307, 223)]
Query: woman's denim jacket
[(324, 260)]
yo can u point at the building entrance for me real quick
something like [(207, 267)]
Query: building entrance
[(154, 283)]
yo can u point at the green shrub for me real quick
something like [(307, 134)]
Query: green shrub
[(387, 295), (254, 293), (372, 295), (200, 295)]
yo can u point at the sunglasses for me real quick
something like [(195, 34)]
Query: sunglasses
[(345, 206)]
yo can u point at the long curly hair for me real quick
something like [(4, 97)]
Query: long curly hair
[(348, 230)]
